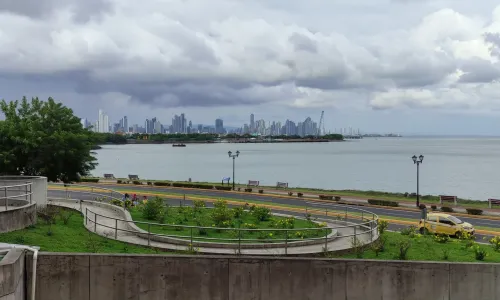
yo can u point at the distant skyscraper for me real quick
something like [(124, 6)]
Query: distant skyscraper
[(102, 122), (219, 126), (125, 124), (252, 123)]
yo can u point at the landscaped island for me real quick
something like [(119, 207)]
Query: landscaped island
[(249, 223)]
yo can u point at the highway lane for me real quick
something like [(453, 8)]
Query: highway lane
[(170, 201), (384, 211)]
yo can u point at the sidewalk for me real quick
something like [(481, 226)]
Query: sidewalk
[(105, 227)]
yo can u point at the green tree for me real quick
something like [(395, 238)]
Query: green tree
[(44, 138)]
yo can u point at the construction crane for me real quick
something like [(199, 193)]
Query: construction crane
[(321, 126)]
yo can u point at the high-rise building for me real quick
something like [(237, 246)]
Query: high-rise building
[(219, 126), (125, 124), (102, 122), (252, 123)]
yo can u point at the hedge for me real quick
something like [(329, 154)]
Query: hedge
[(248, 190), (223, 187), (325, 197), (300, 194), (383, 202), (474, 211), (446, 209), (137, 182), (94, 180), (162, 183)]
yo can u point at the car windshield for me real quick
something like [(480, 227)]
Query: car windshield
[(455, 220)]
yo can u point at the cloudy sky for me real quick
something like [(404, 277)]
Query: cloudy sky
[(408, 66)]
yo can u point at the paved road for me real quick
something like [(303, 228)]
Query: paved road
[(290, 201), (278, 200)]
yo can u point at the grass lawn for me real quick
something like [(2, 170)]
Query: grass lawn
[(72, 237), (234, 218), (425, 248)]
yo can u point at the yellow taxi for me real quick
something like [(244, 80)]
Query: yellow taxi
[(445, 224)]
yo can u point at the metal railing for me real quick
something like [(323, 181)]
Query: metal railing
[(15, 193), (346, 221), (97, 193)]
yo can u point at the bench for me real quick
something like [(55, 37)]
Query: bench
[(133, 177), (109, 176), (283, 185), (253, 183), (492, 202), (443, 199)]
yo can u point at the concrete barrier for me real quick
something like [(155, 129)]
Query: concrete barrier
[(154, 277), (38, 187), (12, 271), (17, 218)]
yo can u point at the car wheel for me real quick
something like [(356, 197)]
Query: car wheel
[(458, 234), (423, 230)]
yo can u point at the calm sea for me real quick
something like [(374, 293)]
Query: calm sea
[(466, 167)]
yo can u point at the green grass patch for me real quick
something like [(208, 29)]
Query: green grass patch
[(426, 248), (222, 224), (70, 237)]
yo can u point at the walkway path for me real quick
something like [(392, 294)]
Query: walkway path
[(105, 227)]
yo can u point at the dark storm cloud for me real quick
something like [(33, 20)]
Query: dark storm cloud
[(83, 10)]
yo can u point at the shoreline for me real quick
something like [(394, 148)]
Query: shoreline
[(147, 142), (360, 194)]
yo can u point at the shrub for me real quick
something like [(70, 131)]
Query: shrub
[(238, 212), (153, 209), (119, 181), (223, 188), (149, 183), (479, 253), (338, 198), (161, 183), (379, 245), (300, 194), (199, 204), (383, 202), (87, 179), (137, 182), (474, 211), (220, 214), (290, 193), (434, 207), (261, 191), (446, 209), (357, 247), (65, 216), (117, 202), (495, 243), (261, 213), (325, 197), (410, 231), (382, 226), (239, 189), (248, 190), (441, 238), (421, 206), (404, 246)]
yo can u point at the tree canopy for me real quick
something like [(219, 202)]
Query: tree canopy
[(44, 138)]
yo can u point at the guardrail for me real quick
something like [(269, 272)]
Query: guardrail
[(18, 193), (357, 223), (97, 192)]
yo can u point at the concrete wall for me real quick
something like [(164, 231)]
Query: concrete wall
[(17, 218), (12, 283), (38, 187), (152, 277)]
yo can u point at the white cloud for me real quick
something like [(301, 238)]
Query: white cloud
[(222, 52)]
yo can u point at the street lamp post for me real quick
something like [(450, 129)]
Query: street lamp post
[(418, 161), (233, 156)]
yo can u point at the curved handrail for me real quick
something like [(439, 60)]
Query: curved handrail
[(368, 224), (8, 189)]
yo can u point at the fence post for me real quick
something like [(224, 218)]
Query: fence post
[(191, 236), (183, 199), (371, 231), (326, 239), (149, 234), (286, 241), (86, 215), (116, 229), (80, 205), (355, 238), (31, 194), (6, 198), (326, 212), (239, 241), (95, 222), (306, 210), (26, 192)]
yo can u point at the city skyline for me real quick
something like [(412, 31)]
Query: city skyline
[(181, 124)]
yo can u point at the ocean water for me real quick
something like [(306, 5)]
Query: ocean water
[(465, 167)]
